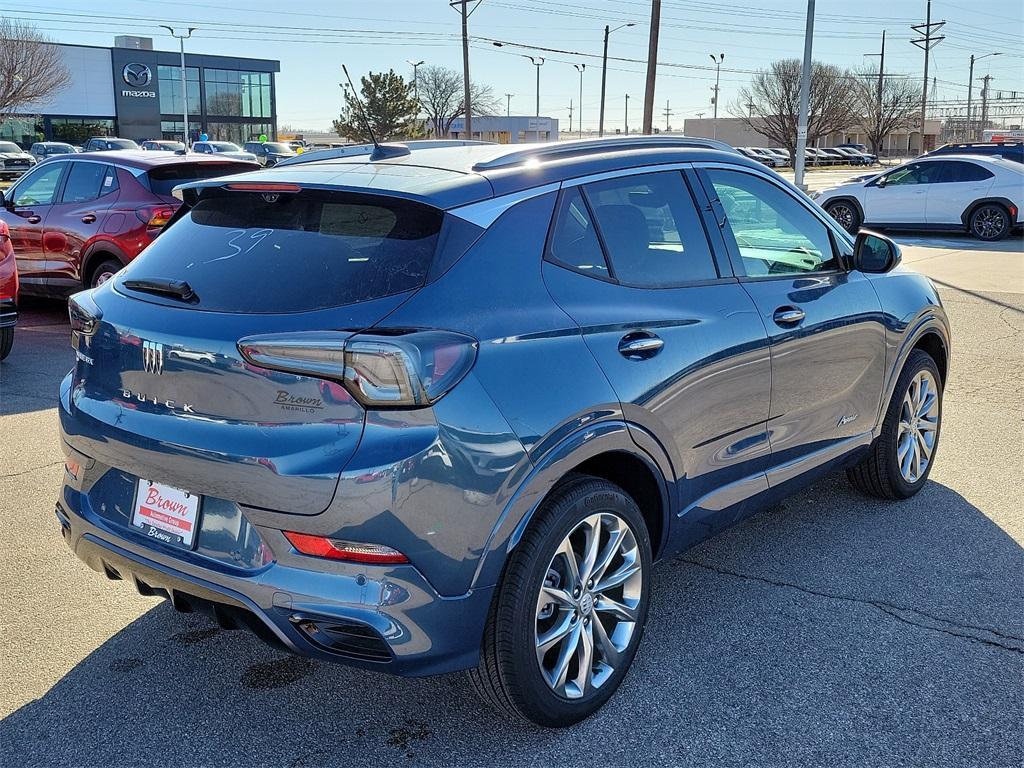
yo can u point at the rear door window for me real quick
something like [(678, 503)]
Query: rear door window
[(86, 182), (293, 252)]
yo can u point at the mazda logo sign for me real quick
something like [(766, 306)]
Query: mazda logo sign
[(137, 75)]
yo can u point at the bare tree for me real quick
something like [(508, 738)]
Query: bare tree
[(899, 107), (770, 105), (442, 101), (31, 69)]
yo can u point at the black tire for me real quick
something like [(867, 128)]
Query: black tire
[(846, 215), (6, 341), (104, 272), (878, 473), (989, 222), (509, 677)]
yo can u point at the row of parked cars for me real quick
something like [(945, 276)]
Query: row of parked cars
[(844, 154)]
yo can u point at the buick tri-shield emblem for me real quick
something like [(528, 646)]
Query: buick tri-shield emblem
[(153, 357)]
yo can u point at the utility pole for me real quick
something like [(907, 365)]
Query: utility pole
[(415, 77), (970, 87), (652, 67), (463, 8), (627, 114), (700, 115), (184, 83), (604, 73), (668, 113), (570, 115), (718, 72), (508, 104), (805, 98), (881, 84), (580, 68), (926, 44), (750, 109), (984, 103)]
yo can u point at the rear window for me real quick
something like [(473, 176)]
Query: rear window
[(164, 178), (264, 253)]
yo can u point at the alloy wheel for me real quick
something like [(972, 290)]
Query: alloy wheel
[(843, 214), (989, 223), (918, 427), (588, 605)]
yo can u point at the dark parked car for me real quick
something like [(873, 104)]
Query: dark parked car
[(8, 292), (269, 153), (77, 219), (108, 144), (14, 161), (1011, 150), (44, 149), (440, 409)]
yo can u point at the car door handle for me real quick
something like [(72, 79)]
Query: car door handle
[(33, 219), (640, 345), (788, 316), (89, 218)]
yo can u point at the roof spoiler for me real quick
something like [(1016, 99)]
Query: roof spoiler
[(391, 150)]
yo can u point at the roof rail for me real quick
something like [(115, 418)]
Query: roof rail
[(353, 150), (564, 149)]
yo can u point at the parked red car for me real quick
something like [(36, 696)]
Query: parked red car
[(76, 219), (8, 292)]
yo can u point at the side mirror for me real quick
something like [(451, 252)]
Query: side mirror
[(874, 253)]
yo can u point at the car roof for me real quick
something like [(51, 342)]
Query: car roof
[(142, 159), (450, 176)]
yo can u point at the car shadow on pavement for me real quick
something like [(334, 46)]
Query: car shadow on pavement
[(833, 629), (41, 356)]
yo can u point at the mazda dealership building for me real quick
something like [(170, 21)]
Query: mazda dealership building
[(135, 92)]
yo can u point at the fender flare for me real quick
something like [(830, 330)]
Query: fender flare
[(1008, 204), (583, 444), (929, 322), (846, 199), (100, 246)]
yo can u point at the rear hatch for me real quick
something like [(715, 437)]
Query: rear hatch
[(160, 390), (164, 178)]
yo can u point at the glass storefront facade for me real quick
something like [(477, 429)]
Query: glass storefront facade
[(239, 132), (238, 93), (170, 90)]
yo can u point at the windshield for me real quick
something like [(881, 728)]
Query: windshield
[(277, 146), (164, 178), (224, 146), (266, 253), (9, 146), (57, 149), (173, 146), (120, 144)]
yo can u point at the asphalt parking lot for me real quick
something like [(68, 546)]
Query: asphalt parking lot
[(831, 630)]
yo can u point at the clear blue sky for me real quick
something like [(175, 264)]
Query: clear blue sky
[(312, 38)]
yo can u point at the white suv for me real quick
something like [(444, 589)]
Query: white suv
[(954, 193)]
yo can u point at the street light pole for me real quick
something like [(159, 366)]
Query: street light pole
[(508, 104), (805, 98), (718, 72), (627, 114), (604, 73), (970, 88), (579, 115), (184, 83), (415, 79)]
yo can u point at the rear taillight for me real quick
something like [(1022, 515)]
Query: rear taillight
[(155, 216), (333, 549), (84, 316), (406, 369)]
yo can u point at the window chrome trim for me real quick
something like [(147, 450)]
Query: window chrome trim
[(634, 171), (485, 212)]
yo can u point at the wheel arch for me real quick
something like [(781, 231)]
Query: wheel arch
[(95, 254), (1011, 209), (606, 451)]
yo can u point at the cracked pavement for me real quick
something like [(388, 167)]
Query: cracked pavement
[(832, 629)]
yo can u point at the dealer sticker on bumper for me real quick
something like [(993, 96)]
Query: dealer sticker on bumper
[(165, 513)]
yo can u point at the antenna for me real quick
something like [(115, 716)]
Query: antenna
[(380, 151), (362, 114)]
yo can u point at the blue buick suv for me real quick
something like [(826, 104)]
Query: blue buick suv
[(430, 408)]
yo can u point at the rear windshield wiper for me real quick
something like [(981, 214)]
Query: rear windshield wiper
[(164, 286)]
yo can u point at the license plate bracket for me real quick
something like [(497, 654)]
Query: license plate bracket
[(166, 513)]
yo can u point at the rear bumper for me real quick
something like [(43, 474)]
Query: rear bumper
[(379, 617)]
